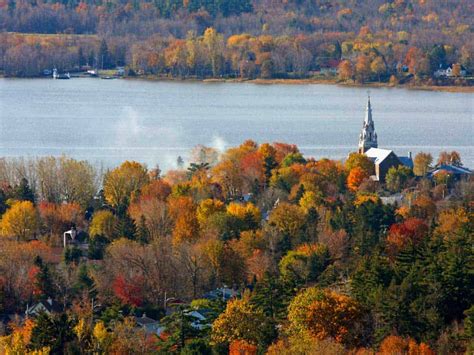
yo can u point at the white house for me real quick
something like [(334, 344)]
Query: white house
[(48, 306)]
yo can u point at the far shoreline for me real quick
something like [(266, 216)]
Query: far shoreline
[(309, 81)]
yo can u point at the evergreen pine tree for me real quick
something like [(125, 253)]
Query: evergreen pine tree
[(43, 280), (143, 235), (180, 326), (54, 331), (272, 295), (299, 193), (23, 191), (104, 56), (124, 226)]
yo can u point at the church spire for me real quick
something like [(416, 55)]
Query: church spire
[(367, 137), (368, 112)]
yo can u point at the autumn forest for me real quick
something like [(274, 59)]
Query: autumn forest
[(249, 251), (244, 250), (395, 42)]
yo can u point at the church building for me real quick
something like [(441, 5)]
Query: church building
[(383, 159)]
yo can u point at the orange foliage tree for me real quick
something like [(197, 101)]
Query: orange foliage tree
[(241, 347), (325, 314), (186, 225), (345, 70), (356, 177), (397, 345)]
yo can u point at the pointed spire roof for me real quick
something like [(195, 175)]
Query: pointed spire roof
[(368, 112), (367, 137)]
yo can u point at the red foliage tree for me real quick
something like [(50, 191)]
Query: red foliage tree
[(128, 292), (409, 233)]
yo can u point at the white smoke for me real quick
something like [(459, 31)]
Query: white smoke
[(219, 144), (133, 131)]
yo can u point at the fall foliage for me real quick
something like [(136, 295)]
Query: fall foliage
[(257, 250)]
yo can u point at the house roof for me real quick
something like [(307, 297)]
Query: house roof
[(378, 155), (452, 169), (197, 315), (49, 306), (144, 320), (407, 161), (225, 293)]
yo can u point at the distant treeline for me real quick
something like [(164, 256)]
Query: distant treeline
[(270, 39)]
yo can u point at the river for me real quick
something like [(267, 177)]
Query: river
[(109, 121)]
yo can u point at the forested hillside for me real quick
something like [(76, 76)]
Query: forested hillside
[(255, 250), (366, 40)]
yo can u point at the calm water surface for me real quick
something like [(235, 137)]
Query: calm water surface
[(109, 121)]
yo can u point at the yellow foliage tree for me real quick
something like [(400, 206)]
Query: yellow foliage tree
[(310, 199), (102, 337), (240, 321), (450, 221), (103, 223), (241, 211), (207, 208), (362, 198), (17, 342), (122, 184), (288, 219), (20, 221)]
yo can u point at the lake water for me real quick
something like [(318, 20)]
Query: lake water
[(110, 121)]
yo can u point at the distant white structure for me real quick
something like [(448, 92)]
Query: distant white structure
[(71, 233), (447, 71)]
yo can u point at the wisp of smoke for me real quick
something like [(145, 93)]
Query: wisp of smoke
[(219, 144)]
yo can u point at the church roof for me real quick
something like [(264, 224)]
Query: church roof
[(378, 155)]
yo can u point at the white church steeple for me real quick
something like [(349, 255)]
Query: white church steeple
[(367, 137)]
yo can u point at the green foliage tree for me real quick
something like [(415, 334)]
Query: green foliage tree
[(23, 191), (397, 178), (293, 158), (55, 332), (43, 280), (272, 296), (72, 255), (180, 327)]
